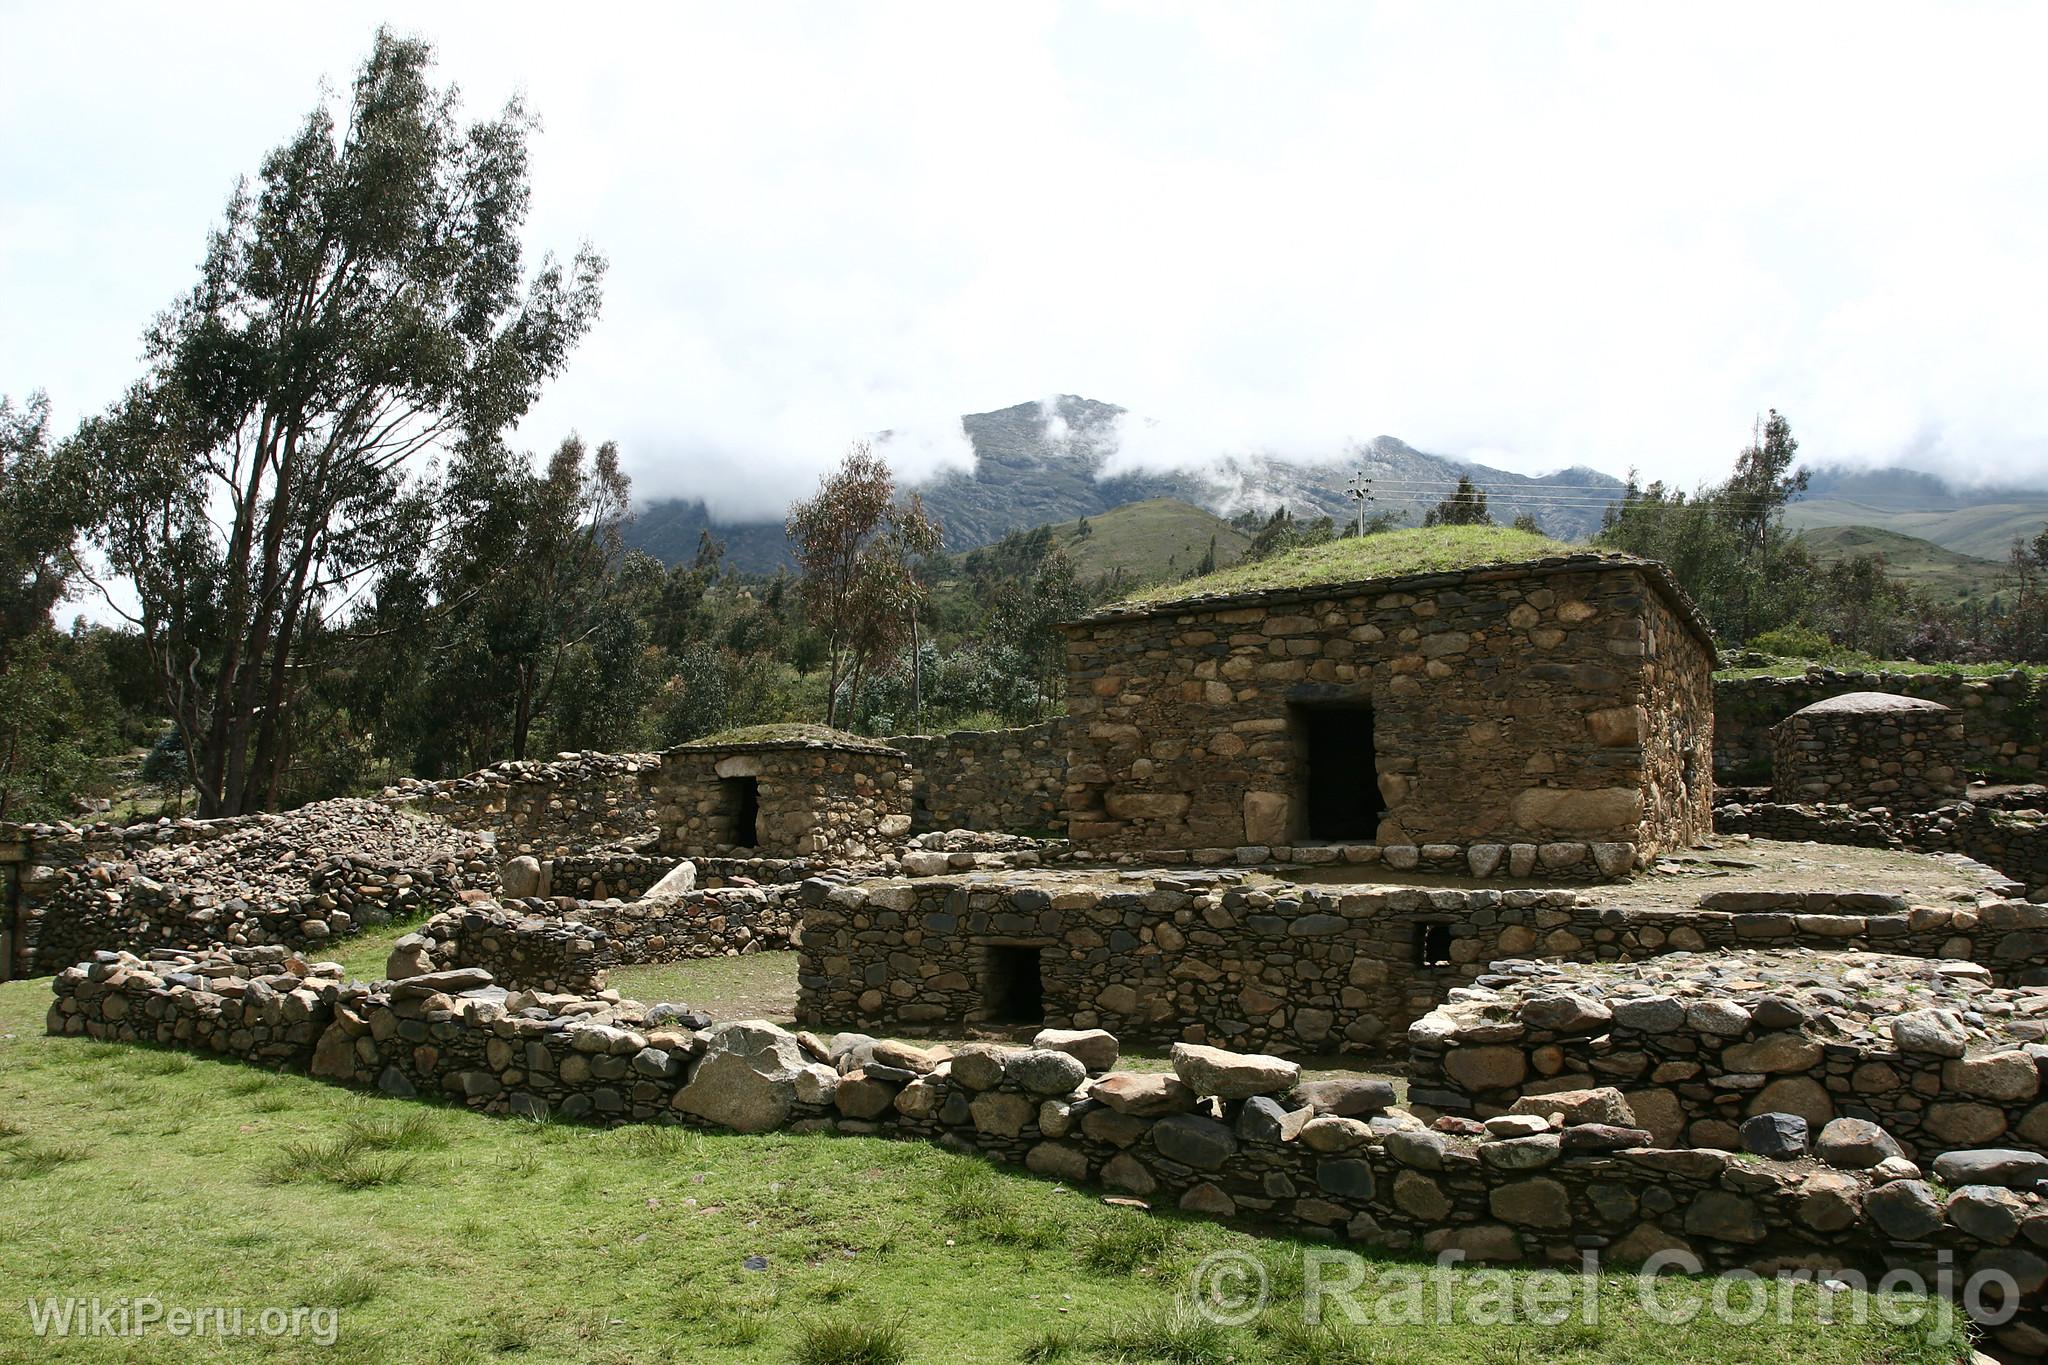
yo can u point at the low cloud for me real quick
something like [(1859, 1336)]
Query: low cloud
[(1606, 235)]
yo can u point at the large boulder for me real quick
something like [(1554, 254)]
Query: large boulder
[(1601, 1104), (519, 878), (675, 882), (1855, 1144), (1094, 1048), (747, 1079), (1930, 1033), (1346, 1096), (1042, 1071), (1142, 1094), (1233, 1075), (2003, 1166)]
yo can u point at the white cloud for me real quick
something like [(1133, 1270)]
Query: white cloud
[(1537, 236)]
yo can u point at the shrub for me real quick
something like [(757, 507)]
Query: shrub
[(1121, 1243), (1794, 642), (845, 1341)]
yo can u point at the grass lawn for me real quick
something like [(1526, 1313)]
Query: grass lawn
[(445, 1236)]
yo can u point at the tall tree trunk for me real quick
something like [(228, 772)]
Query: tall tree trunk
[(916, 680)]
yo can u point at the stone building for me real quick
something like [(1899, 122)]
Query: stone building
[(786, 791), (1870, 749), (1508, 706)]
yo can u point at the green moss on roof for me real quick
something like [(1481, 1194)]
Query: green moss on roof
[(1389, 554), (782, 733)]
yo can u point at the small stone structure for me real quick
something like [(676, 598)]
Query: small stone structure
[(2004, 716), (801, 792), (1870, 749), (322, 871), (1563, 699)]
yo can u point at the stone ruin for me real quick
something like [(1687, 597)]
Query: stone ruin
[(815, 793), (1610, 1041), (1869, 749), (1543, 706)]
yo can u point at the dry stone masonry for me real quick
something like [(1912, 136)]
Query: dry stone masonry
[(1560, 700), (820, 794), (2002, 715), (1224, 957), (1223, 1134), (299, 879), (997, 781), (1931, 1050), (576, 803), (1870, 749)]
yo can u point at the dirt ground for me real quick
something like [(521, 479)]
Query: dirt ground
[(1732, 863)]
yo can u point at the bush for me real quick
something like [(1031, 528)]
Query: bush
[(845, 1341), (1794, 642)]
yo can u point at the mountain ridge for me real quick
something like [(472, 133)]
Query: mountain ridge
[(1051, 461)]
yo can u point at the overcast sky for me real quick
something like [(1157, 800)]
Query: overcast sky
[(1530, 235)]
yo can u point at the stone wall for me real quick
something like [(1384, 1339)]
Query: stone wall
[(1223, 1136), (702, 923), (561, 945), (628, 876), (1562, 700), (2015, 842), (2002, 715), (78, 910), (247, 880), (1842, 1035), (526, 944), (1001, 781), (1870, 749), (572, 804), (813, 800), (1204, 957)]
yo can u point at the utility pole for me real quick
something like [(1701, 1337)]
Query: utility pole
[(1360, 491)]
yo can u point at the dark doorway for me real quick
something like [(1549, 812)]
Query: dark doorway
[(1011, 986), (743, 799), (1432, 945), (1343, 772)]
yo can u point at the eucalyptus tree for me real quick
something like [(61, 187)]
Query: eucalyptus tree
[(363, 311)]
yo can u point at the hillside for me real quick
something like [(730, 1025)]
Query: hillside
[(1975, 522), (1152, 540), (1943, 574), (1040, 463)]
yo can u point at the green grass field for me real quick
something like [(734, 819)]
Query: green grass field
[(445, 1236)]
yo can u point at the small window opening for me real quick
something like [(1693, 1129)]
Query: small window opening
[(1342, 767), (743, 800), (1012, 988), (1432, 945)]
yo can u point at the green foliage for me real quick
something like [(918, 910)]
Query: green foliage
[(1794, 642), (363, 307), (1466, 506)]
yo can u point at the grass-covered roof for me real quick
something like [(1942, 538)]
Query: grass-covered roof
[(783, 733), (1388, 554)]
